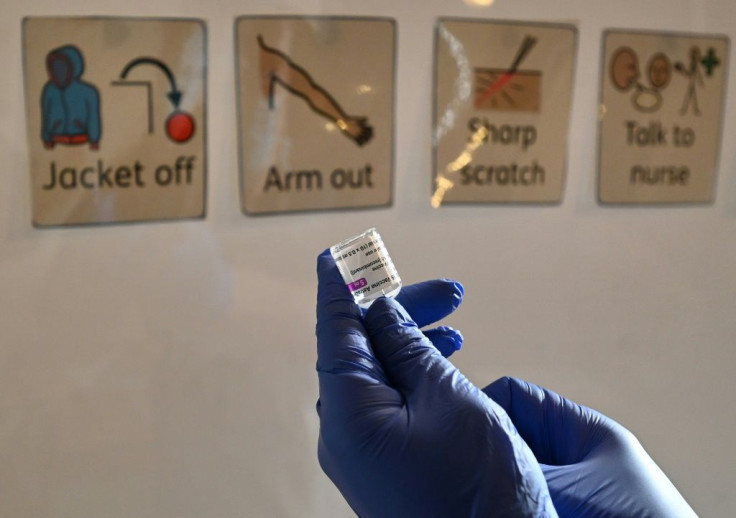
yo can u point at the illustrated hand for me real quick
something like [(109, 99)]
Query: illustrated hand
[(402, 432), (594, 466), (357, 128)]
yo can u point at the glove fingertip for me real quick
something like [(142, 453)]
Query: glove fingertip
[(446, 339), (459, 288), (330, 284), (324, 261)]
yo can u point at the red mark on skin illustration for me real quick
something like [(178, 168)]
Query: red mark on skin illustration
[(507, 76)]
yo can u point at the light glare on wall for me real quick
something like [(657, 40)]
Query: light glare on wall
[(479, 3)]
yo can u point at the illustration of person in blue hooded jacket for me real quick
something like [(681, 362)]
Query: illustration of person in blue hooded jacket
[(70, 107)]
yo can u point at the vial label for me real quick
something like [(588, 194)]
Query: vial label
[(366, 267)]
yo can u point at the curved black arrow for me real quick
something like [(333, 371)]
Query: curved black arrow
[(174, 95)]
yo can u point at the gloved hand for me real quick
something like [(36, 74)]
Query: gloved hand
[(594, 467), (402, 433)]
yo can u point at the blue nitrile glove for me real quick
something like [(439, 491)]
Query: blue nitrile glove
[(594, 467), (402, 433)]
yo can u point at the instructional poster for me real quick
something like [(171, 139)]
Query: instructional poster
[(315, 100), (116, 119), (661, 115), (502, 109)]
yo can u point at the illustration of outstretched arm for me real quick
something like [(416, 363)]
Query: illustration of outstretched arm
[(277, 68)]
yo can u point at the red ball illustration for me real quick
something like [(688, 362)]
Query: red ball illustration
[(180, 126)]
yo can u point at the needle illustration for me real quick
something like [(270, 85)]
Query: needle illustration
[(504, 78)]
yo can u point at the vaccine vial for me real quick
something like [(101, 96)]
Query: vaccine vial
[(366, 267)]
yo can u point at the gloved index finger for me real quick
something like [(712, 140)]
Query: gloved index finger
[(430, 301)]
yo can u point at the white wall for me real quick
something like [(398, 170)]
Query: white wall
[(168, 369)]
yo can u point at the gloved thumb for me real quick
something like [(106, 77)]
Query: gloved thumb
[(406, 354)]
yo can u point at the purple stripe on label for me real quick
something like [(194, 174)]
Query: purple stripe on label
[(356, 285)]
